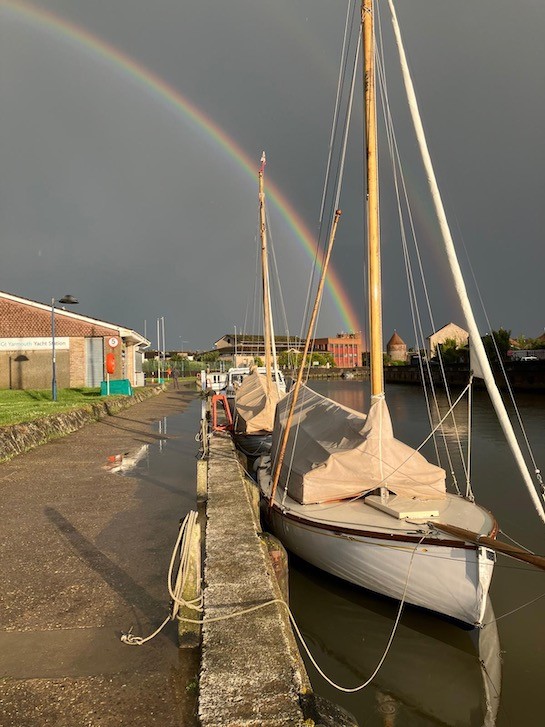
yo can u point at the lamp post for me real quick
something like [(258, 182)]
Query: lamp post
[(182, 352), (69, 300)]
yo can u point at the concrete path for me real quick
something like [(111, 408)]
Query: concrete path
[(84, 554)]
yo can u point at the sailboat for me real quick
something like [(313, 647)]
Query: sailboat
[(348, 497), (260, 391)]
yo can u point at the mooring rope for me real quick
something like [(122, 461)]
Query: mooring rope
[(182, 545), (182, 549), (514, 610)]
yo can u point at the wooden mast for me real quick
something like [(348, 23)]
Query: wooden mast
[(298, 382), (265, 278), (375, 291)]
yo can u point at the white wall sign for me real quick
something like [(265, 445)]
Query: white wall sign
[(34, 344), (113, 341)]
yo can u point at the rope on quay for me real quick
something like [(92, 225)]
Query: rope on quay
[(182, 549)]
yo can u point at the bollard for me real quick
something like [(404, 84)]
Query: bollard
[(203, 435), (189, 634)]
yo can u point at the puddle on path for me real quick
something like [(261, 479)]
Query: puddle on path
[(169, 463), (170, 460), (88, 658)]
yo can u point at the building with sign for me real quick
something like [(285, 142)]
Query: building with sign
[(34, 334)]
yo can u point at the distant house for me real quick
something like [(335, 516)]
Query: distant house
[(450, 331), (243, 348), (518, 351)]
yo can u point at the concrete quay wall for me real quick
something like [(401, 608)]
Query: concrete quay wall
[(252, 674)]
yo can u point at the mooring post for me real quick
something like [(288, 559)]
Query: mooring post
[(202, 480), (189, 634)]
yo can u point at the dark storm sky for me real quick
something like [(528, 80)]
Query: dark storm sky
[(109, 193)]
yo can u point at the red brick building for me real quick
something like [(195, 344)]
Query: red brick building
[(345, 348), (81, 347)]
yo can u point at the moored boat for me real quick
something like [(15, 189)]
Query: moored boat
[(387, 545)]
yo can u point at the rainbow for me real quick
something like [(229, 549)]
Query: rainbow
[(166, 94)]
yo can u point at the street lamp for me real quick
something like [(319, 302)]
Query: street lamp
[(182, 342), (68, 300)]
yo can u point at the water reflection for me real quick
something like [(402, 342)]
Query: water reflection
[(432, 675), (167, 465), (354, 394), (161, 426), (127, 461), (452, 425)]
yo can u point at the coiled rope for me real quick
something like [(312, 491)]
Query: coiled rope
[(181, 550)]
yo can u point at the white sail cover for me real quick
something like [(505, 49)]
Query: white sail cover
[(340, 453), (254, 407)]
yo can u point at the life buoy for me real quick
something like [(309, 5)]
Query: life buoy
[(110, 363)]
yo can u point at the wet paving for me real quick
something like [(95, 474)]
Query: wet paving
[(87, 525)]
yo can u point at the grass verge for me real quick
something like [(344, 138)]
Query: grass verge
[(17, 407)]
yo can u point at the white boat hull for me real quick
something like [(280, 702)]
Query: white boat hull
[(450, 579)]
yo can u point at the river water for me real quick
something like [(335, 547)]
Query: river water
[(437, 673)]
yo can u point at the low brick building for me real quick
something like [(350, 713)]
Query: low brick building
[(81, 347), (345, 348)]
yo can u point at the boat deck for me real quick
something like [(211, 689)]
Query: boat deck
[(358, 515)]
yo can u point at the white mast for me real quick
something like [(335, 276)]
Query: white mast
[(474, 336)]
